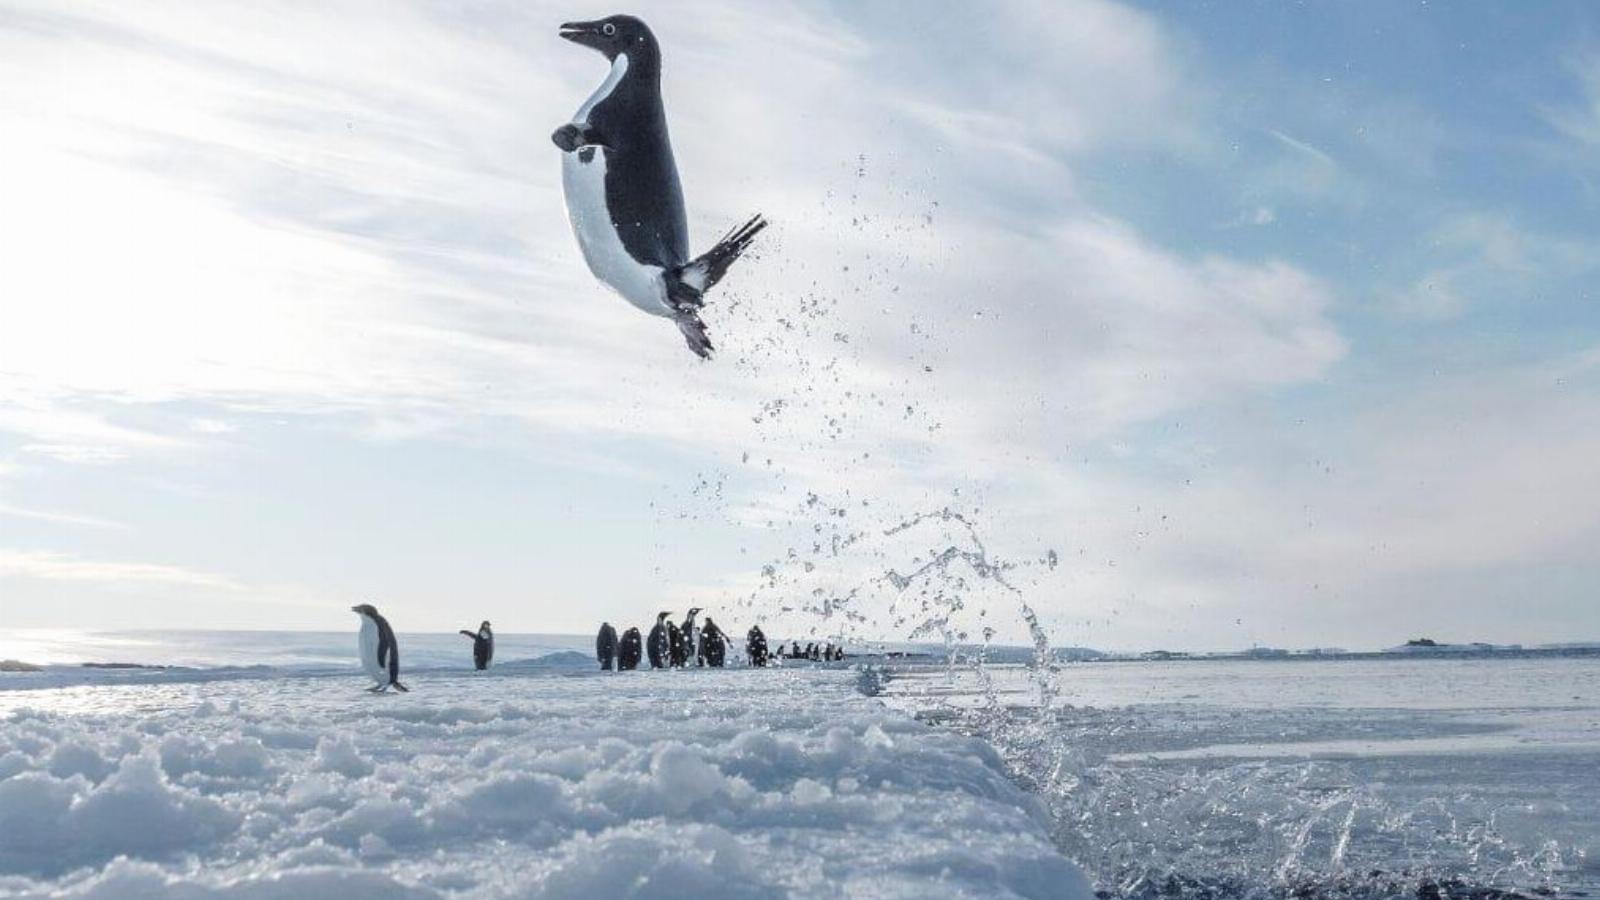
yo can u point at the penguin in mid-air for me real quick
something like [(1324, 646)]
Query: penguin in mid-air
[(605, 645), (622, 190), (482, 645), (380, 653)]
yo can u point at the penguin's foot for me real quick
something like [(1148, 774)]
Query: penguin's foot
[(377, 689), (694, 332), (401, 688)]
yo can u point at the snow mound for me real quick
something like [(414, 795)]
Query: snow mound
[(538, 784)]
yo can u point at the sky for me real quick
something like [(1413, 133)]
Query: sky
[(1198, 325)]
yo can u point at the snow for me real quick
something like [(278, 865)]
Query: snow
[(524, 782)]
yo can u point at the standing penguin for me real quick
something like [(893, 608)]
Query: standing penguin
[(622, 191), (677, 648), (659, 646), (605, 645), (691, 638), (714, 644), (755, 646), (628, 651), (482, 645), (380, 653)]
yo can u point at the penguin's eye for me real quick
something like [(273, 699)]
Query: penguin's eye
[(608, 29)]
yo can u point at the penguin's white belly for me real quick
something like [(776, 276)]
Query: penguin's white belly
[(584, 184), (369, 651)]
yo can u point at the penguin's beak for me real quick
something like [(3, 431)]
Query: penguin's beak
[(585, 33)]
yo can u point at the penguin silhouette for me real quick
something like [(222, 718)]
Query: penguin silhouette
[(628, 650), (482, 645), (659, 646), (755, 646), (605, 645)]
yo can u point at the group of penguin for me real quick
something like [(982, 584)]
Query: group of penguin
[(670, 646)]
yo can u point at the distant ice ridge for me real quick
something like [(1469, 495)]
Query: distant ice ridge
[(702, 784)]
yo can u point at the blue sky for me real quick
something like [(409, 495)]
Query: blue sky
[(1275, 323)]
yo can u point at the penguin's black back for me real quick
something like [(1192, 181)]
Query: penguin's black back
[(388, 647), (643, 194)]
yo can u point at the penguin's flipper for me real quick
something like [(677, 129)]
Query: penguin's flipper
[(572, 136), (694, 332)]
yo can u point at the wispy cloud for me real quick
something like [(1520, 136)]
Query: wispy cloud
[(1580, 119), (49, 566)]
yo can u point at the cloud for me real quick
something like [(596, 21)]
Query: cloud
[(329, 215), (1489, 260), (61, 518), (49, 566), (1580, 120)]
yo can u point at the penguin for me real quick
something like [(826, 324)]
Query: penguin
[(691, 639), (628, 651), (482, 645), (677, 648), (621, 186), (713, 643), (659, 647), (605, 646), (755, 646), (380, 653)]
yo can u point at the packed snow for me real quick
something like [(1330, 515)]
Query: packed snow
[(523, 782)]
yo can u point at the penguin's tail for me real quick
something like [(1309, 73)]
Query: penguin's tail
[(687, 284)]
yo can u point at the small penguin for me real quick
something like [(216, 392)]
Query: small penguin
[(659, 647), (482, 645), (380, 653), (691, 638), (605, 646), (755, 646), (714, 644), (628, 650), (676, 647), (622, 191)]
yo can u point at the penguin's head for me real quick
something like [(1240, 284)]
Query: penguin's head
[(365, 609), (663, 614), (484, 626), (612, 36)]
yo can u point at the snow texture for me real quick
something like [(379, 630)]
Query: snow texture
[(537, 784)]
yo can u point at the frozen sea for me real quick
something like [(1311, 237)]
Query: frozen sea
[(260, 768), (1340, 778)]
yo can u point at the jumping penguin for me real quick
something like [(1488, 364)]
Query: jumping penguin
[(622, 191), (482, 645), (380, 653)]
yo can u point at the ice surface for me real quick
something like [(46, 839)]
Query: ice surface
[(1350, 778), (521, 783)]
